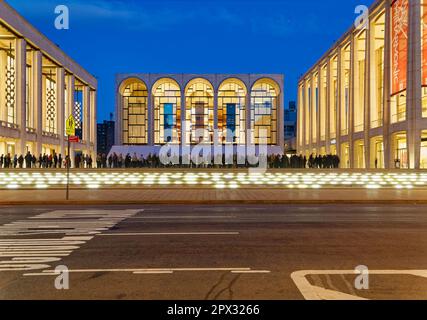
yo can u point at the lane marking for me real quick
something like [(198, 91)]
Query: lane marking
[(170, 234), (313, 292), (184, 217), (252, 271), (143, 271)]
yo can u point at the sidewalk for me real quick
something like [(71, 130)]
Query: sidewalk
[(191, 195)]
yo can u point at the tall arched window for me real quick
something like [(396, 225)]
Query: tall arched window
[(135, 113), (232, 111), (264, 107), (199, 111), (167, 111)]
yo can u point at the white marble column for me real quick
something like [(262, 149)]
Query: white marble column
[(387, 138), (38, 99), (21, 96), (60, 105)]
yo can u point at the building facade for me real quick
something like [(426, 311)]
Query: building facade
[(105, 136), (155, 109), (291, 126), (40, 86), (366, 98)]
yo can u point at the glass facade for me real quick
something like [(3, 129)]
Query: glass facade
[(167, 112), (264, 102), (135, 114), (232, 112), (199, 115)]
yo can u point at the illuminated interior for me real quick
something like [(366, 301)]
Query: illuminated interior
[(423, 150), (400, 150), (359, 154), (264, 104), (345, 155), (199, 111), (345, 89), (359, 83), (167, 111), (50, 110), (377, 152), (232, 111), (135, 112), (314, 107), (377, 71), (333, 105), (322, 104)]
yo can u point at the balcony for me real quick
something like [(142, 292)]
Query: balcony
[(9, 125), (31, 130), (50, 135)]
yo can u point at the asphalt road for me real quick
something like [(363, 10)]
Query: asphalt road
[(214, 252)]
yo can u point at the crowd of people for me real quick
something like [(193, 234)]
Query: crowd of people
[(273, 161), (56, 161)]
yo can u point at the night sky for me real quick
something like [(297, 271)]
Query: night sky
[(183, 36)]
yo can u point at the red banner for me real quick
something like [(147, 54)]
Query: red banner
[(400, 16), (424, 43)]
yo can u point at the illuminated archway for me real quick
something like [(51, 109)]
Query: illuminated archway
[(232, 111), (134, 97), (264, 106), (199, 111), (167, 111)]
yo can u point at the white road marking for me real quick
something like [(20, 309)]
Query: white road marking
[(72, 228), (145, 271), (251, 271), (183, 217), (312, 292), (170, 234)]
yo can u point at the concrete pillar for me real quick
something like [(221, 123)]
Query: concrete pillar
[(118, 117), (414, 107), (70, 106), (310, 114), (87, 126), (94, 116), (21, 96), (328, 108), (388, 152), (60, 105), (150, 124), (248, 115), (186, 127), (215, 109), (367, 112), (38, 99), (281, 121), (339, 89), (319, 106), (351, 101), (304, 117)]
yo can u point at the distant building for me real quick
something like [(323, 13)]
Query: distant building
[(291, 126), (186, 109), (105, 133)]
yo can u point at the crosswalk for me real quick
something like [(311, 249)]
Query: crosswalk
[(54, 235)]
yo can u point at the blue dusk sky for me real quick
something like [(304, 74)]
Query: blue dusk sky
[(193, 36)]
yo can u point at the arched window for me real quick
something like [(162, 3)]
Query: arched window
[(264, 107), (134, 112), (232, 111), (167, 111), (199, 111)]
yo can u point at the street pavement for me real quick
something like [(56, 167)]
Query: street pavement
[(214, 251)]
